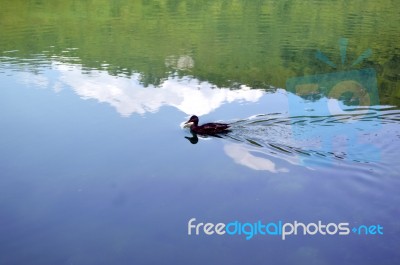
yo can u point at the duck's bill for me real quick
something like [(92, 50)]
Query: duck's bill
[(186, 124)]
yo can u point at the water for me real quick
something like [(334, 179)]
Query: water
[(97, 169)]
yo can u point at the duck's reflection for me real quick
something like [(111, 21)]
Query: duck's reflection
[(195, 137)]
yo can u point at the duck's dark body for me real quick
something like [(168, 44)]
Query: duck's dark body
[(208, 128)]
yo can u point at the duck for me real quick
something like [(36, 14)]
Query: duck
[(207, 128)]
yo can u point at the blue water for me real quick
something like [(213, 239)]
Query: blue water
[(96, 169)]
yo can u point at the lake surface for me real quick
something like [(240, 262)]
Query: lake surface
[(97, 167)]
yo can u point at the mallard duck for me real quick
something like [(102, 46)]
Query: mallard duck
[(208, 128)]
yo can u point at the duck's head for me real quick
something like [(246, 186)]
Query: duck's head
[(193, 120)]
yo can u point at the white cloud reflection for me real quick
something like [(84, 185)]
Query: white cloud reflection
[(242, 155), (128, 96), (28, 79)]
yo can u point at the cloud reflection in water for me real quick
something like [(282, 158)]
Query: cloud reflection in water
[(128, 96), (243, 155)]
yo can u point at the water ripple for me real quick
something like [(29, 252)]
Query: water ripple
[(363, 136)]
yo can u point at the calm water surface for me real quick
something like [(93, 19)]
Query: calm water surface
[(96, 167)]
